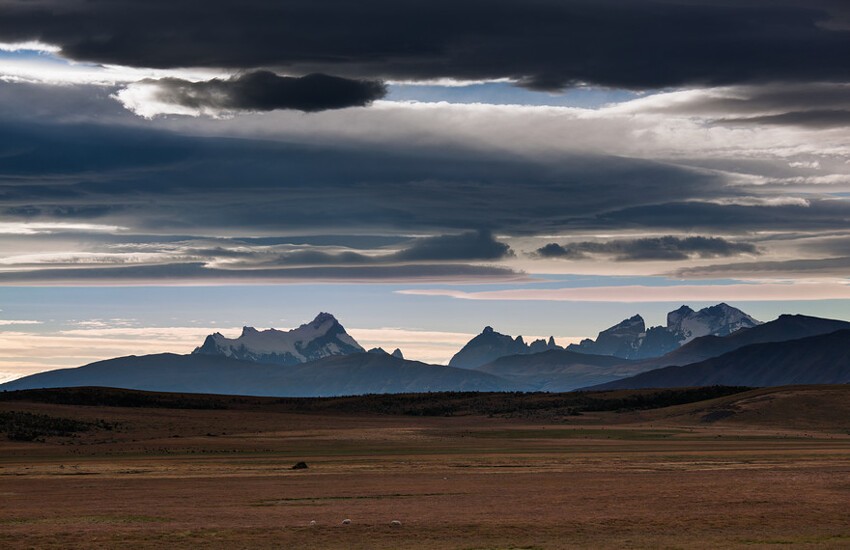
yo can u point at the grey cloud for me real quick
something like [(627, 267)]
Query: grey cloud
[(164, 186), (467, 246), (464, 247), (254, 258), (768, 98), (156, 181), (694, 216), (194, 272), (652, 248), (555, 250), (815, 105), (836, 267), (36, 103), (117, 259), (266, 91), (545, 44), (832, 245), (86, 151), (815, 118)]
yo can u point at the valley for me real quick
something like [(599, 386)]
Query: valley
[(754, 468)]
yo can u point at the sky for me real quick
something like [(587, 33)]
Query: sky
[(418, 169)]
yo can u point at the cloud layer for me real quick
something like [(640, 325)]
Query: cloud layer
[(545, 45), (651, 248), (282, 196)]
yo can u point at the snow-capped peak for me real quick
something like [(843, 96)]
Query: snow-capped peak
[(631, 339), (322, 337), (720, 320)]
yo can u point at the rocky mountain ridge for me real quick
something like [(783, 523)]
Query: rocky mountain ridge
[(323, 337), (631, 339), (490, 345)]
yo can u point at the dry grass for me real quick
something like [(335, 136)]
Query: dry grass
[(186, 478)]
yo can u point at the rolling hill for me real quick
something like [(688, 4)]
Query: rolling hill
[(783, 328), (559, 370), (352, 374), (822, 359)]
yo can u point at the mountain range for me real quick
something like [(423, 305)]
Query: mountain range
[(630, 339), (821, 359), (716, 345), (564, 371)]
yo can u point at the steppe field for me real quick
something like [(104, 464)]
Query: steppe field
[(703, 468)]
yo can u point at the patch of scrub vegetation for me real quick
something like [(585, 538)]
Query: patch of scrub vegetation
[(510, 404), (110, 397), (496, 404), (90, 520), (299, 500), (25, 426), (816, 540), (570, 433)]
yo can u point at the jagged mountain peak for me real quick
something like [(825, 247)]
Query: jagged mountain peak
[(633, 322), (630, 338), (490, 345), (677, 315), (381, 351), (718, 320), (322, 337), (322, 318)]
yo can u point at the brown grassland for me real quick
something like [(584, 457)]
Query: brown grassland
[(110, 469)]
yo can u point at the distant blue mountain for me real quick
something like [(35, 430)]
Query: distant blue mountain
[(490, 345), (559, 370), (821, 359), (351, 374), (630, 339)]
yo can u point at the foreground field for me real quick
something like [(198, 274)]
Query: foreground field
[(756, 469)]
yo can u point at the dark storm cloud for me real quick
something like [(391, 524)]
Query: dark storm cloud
[(40, 103), (546, 44), (153, 181), (55, 151), (648, 249), (196, 272), (555, 250), (266, 91), (212, 192), (160, 182)]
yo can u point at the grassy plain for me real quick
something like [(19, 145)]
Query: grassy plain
[(762, 468)]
